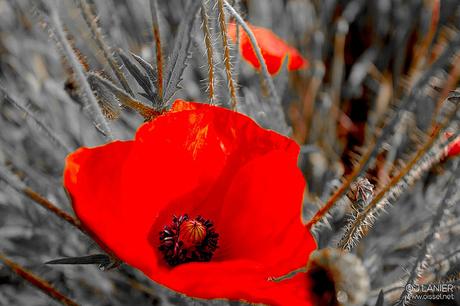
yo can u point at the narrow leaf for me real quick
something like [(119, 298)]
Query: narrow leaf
[(146, 111), (141, 78), (108, 103), (98, 259), (380, 299)]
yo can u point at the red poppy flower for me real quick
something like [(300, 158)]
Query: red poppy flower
[(203, 201), (453, 149), (274, 50)]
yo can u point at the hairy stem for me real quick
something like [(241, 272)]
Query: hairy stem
[(37, 281), (7, 176), (209, 52), (256, 47), (227, 62), (158, 47)]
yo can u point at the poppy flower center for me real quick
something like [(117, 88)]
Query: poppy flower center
[(188, 240)]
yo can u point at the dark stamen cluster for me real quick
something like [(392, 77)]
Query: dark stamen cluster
[(176, 252)]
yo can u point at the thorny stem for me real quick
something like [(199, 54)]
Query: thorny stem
[(256, 47), (158, 47), (37, 282), (91, 21), (209, 52), (7, 176), (236, 62), (227, 62), (45, 203)]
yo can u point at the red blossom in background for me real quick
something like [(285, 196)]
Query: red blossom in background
[(274, 49), (453, 149), (203, 201)]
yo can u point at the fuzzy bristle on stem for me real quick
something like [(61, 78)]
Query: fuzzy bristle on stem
[(209, 52), (227, 62), (257, 50)]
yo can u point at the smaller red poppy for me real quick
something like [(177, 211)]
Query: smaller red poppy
[(453, 149), (274, 49)]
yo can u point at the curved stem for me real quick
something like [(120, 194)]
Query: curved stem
[(256, 47)]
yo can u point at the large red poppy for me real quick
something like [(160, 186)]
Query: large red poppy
[(233, 187), (274, 49)]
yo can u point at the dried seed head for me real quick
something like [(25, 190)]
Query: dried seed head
[(192, 233), (337, 278)]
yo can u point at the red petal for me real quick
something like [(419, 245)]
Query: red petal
[(269, 190), (274, 49), (235, 280)]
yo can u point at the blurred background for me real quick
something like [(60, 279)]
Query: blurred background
[(370, 113)]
